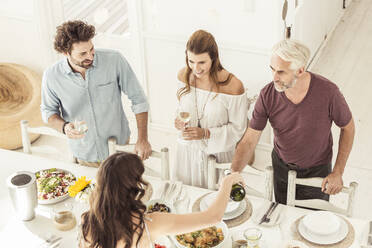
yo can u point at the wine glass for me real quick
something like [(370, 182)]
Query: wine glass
[(184, 116), (81, 127)]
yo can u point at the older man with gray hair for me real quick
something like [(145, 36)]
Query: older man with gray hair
[(301, 107)]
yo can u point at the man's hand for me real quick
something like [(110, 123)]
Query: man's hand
[(143, 149), (72, 133), (332, 184), (193, 133)]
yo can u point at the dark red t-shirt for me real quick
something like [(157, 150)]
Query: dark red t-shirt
[(302, 132)]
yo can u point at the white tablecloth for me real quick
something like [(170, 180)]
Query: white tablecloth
[(15, 233)]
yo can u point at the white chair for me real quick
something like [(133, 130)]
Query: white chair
[(44, 130), (318, 203), (266, 175), (163, 155)]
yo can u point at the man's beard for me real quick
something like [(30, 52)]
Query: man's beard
[(283, 86), (82, 64)]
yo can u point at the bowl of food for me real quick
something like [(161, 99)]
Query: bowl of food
[(52, 185), (215, 236), (159, 205)]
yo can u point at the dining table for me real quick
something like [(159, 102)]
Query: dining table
[(33, 233)]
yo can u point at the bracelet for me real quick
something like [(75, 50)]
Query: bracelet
[(63, 127)]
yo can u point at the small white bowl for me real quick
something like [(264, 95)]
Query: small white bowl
[(153, 201), (223, 243), (321, 223)]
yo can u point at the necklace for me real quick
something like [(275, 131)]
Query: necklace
[(196, 105)]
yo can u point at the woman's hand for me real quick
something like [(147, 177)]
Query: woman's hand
[(193, 133), (179, 125), (233, 178)]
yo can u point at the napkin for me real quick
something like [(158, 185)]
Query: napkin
[(275, 217)]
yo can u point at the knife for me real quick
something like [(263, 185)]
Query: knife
[(264, 217), (272, 210)]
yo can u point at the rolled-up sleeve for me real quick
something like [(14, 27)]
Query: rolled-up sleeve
[(49, 101), (131, 87)]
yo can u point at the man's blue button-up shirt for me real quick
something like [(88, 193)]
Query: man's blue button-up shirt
[(95, 100)]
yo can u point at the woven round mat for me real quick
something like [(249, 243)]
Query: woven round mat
[(148, 193), (345, 243), (232, 222)]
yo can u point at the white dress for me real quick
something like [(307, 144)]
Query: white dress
[(226, 118)]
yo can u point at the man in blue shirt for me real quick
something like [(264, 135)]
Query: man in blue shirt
[(86, 86)]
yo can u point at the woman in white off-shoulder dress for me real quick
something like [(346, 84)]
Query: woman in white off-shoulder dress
[(218, 106)]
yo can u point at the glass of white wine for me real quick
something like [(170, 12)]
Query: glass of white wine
[(253, 236), (81, 127), (184, 117)]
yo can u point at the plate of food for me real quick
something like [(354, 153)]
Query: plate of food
[(52, 185), (212, 237), (158, 205)]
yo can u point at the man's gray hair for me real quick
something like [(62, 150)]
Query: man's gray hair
[(292, 51)]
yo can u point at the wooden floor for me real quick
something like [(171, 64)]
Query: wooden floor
[(346, 60)]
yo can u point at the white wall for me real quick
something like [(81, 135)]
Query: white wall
[(245, 30)]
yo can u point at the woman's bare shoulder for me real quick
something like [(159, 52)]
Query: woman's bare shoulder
[(232, 87)]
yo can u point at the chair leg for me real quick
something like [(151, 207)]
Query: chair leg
[(211, 172), (268, 194), (164, 164), (350, 206), (291, 188), (25, 138), (111, 145)]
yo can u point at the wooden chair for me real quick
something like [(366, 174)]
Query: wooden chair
[(44, 130), (318, 203), (163, 155), (266, 175)]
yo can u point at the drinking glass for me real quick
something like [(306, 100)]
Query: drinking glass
[(81, 127), (63, 217), (253, 236), (183, 115)]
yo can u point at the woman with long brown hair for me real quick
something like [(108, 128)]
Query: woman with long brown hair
[(215, 102), (118, 218)]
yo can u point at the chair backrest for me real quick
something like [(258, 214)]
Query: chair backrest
[(44, 130), (163, 155), (267, 175), (318, 203)]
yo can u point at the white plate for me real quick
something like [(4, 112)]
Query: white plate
[(242, 206), (56, 199), (322, 239), (239, 211), (208, 199), (322, 222), (153, 201), (226, 242)]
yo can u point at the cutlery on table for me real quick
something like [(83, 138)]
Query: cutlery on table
[(266, 217)]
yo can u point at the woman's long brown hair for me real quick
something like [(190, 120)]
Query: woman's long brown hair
[(202, 42), (116, 202)]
